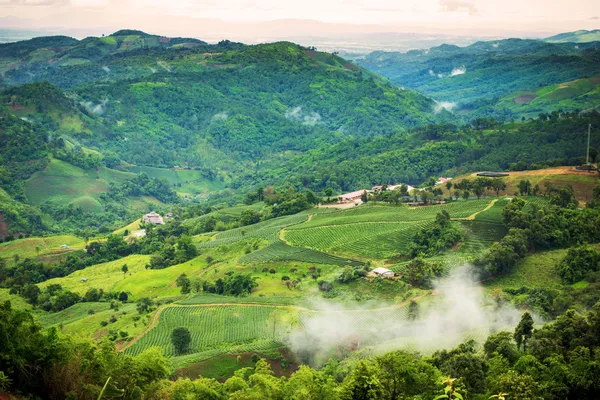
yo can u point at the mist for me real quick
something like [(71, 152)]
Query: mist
[(458, 311), (98, 109), (297, 114), (458, 71), (444, 105)]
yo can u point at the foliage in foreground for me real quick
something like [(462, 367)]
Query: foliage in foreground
[(559, 361)]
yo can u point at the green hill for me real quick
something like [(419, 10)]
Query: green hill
[(582, 36), (581, 94), (472, 78)]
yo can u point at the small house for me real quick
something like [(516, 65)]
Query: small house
[(352, 197), (153, 218), (84, 279), (386, 273)]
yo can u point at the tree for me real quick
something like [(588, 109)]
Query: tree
[(498, 185), (414, 309), (363, 383), (364, 197), (124, 268), (123, 297), (347, 274), (144, 304), (448, 186), (184, 283), (524, 330), (524, 187), (181, 338)]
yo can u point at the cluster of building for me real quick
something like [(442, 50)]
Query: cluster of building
[(155, 218), (355, 197)]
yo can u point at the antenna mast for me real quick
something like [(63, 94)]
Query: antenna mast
[(587, 154)]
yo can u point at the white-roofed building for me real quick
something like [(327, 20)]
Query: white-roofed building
[(383, 272)]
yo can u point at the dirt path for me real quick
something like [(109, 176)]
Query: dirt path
[(281, 234), (472, 216)]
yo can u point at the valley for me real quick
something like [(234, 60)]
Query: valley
[(180, 219)]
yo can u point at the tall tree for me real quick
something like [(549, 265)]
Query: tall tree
[(181, 339), (524, 330)]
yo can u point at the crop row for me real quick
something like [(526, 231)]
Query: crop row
[(280, 251), (268, 230), (214, 327), (378, 240), (457, 209)]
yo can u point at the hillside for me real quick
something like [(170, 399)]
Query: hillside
[(581, 94), (468, 78), (582, 36)]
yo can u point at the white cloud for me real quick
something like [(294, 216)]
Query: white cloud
[(458, 71), (459, 6), (444, 105)]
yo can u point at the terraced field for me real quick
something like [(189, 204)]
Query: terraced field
[(401, 213), (280, 251), (479, 235), (267, 230), (375, 231), (217, 328)]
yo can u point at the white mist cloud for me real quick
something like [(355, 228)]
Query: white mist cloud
[(444, 105), (296, 113), (106, 69), (163, 64), (222, 116), (458, 71), (460, 309), (99, 108)]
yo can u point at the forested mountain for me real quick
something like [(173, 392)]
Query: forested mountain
[(472, 78), (81, 118), (551, 140)]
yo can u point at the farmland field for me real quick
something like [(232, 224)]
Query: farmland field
[(377, 232), (217, 328), (535, 271)]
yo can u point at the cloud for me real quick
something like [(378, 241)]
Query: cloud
[(34, 2), (459, 6), (222, 116), (106, 69), (98, 109), (444, 105), (458, 71), (443, 325), (297, 114)]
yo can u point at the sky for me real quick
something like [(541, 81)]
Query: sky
[(464, 17)]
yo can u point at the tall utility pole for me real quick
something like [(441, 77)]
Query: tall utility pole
[(587, 154)]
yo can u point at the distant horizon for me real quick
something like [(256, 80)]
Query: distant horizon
[(253, 20), (344, 41)]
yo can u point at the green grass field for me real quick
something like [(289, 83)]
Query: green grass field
[(185, 182), (107, 276), (537, 270), (38, 246), (62, 183)]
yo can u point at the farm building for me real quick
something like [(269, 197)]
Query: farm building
[(383, 272), (493, 174), (393, 187), (153, 218), (353, 197), (442, 181)]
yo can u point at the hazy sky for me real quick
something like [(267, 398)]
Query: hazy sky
[(459, 16)]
